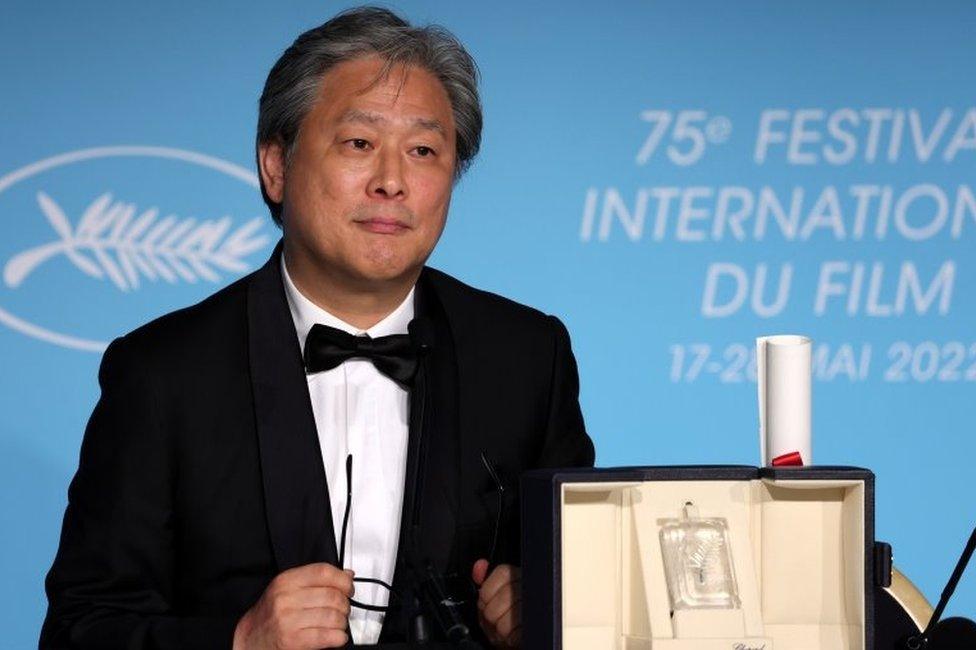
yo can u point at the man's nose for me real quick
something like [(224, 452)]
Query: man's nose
[(388, 180)]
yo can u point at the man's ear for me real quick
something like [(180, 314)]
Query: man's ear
[(271, 163)]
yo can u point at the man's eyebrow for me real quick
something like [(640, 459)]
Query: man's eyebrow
[(354, 115), (431, 125), (367, 117)]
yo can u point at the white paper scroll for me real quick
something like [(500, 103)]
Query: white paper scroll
[(784, 378)]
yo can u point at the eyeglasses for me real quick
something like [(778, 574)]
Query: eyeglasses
[(342, 549), (499, 490)]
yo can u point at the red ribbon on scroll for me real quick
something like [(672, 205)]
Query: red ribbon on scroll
[(791, 459)]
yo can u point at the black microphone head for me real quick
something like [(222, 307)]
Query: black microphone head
[(421, 332), (954, 633)]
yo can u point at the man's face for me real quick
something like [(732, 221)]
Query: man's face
[(365, 195)]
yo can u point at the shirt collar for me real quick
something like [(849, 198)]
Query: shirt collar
[(306, 313)]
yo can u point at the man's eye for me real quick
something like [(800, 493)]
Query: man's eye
[(358, 143), (423, 151)]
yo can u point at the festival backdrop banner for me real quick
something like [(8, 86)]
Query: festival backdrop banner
[(672, 179)]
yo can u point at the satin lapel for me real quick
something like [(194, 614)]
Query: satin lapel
[(468, 354), (295, 490), (475, 360)]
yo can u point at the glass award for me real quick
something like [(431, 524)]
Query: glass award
[(698, 562)]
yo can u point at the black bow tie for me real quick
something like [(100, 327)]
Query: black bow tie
[(327, 347)]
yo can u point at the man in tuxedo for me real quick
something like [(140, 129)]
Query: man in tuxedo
[(320, 452)]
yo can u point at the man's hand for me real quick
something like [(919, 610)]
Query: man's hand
[(303, 608), (499, 603)]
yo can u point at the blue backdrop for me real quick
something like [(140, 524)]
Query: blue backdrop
[(671, 178)]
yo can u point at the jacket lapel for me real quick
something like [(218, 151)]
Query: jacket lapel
[(477, 350), (295, 489)]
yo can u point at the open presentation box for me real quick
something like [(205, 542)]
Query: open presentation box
[(801, 543)]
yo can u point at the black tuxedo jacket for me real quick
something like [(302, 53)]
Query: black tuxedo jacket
[(201, 478)]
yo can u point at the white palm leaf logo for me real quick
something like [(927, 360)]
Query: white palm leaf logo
[(112, 242)]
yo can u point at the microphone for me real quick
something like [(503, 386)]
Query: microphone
[(421, 332), (955, 633)]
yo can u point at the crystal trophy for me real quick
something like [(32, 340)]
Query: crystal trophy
[(698, 562)]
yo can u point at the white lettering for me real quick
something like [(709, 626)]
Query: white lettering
[(827, 287), (767, 135), (716, 271), (925, 145), (964, 137), (687, 212), (782, 293), (935, 223), (799, 136), (941, 287), (613, 204), (845, 155)]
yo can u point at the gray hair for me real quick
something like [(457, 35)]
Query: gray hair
[(293, 83)]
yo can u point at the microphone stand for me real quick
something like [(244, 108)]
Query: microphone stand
[(920, 641), (446, 611), (429, 592)]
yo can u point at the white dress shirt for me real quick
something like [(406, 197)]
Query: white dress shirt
[(362, 412)]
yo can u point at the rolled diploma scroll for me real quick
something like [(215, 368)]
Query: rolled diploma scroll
[(784, 378)]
